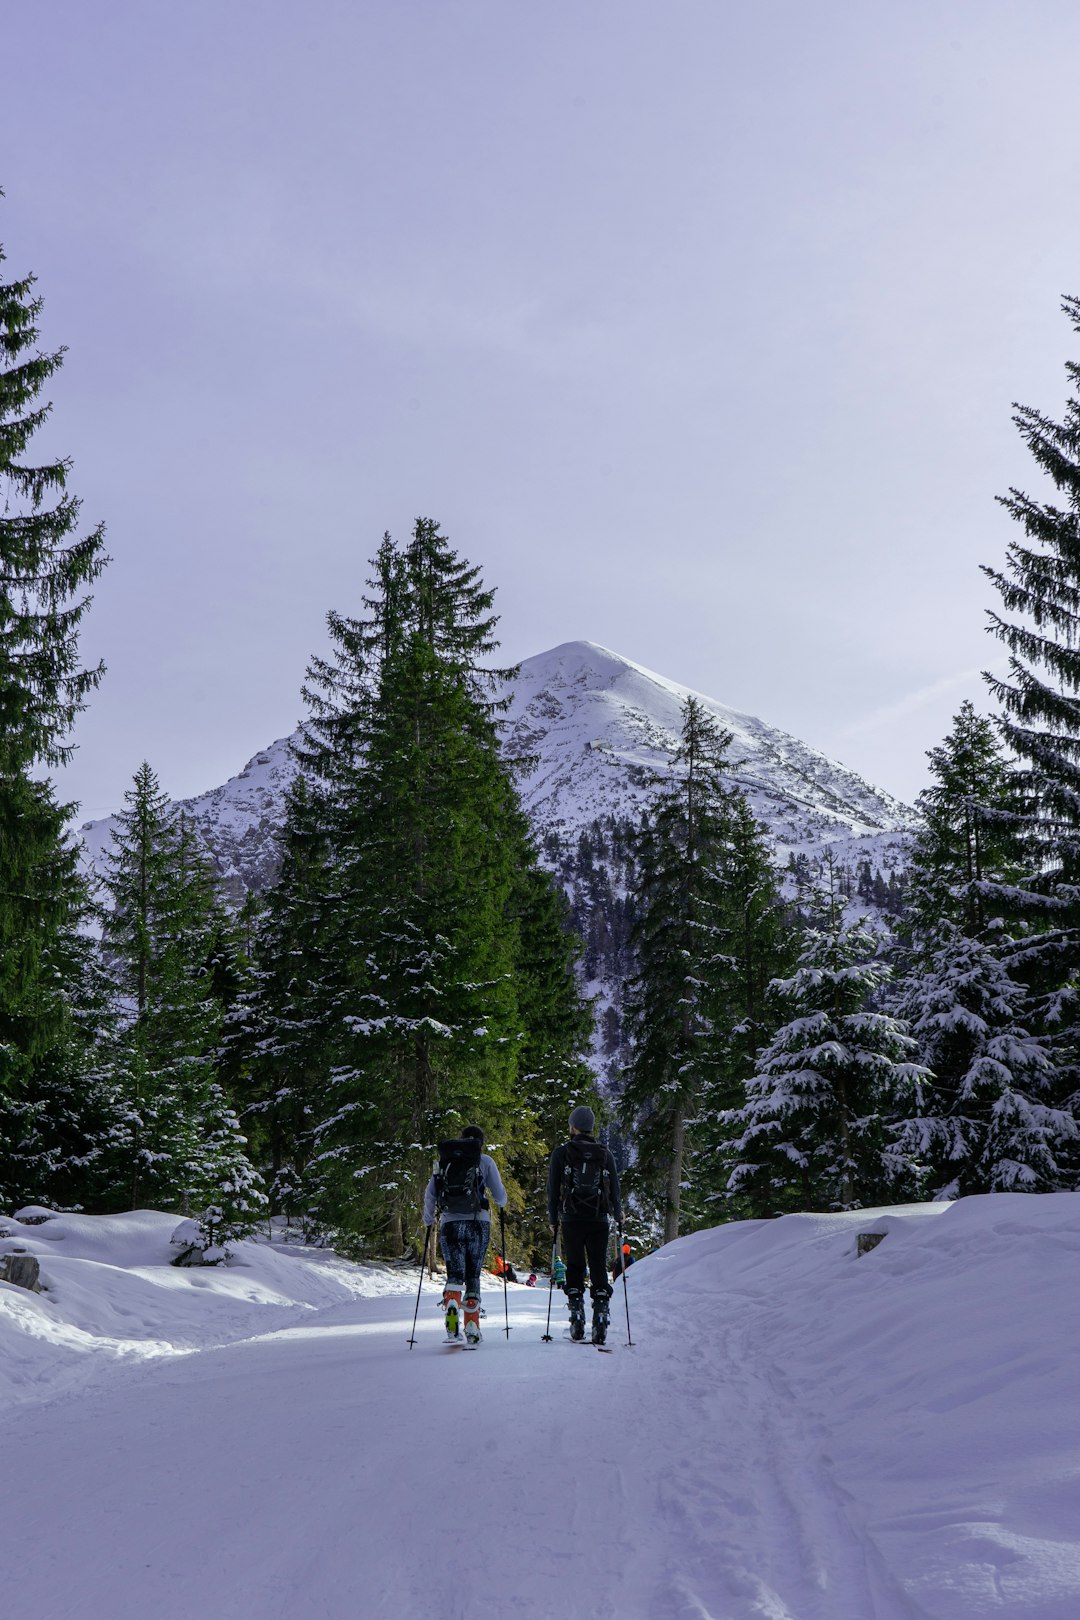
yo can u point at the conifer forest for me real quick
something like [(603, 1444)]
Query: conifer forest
[(801, 1035)]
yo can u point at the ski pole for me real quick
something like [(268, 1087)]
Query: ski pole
[(551, 1281), (626, 1296), (423, 1263), (502, 1235)]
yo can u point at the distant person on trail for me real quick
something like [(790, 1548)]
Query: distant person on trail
[(558, 1272), (457, 1193), (625, 1259), (582, 1192)]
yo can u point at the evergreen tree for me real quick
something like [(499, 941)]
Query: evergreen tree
[(967, 858), (1040, 583), (45, 572), (430, 935), (679, 941), (554, 1074), (758, 943), (817, 1129), (278, 1043), (987, 1123), (166, 936), (60, 1131)]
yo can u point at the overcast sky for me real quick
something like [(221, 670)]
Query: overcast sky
[(696, 324)]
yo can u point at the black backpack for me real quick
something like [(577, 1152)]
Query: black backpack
[(459, 1180), (585, 1181)]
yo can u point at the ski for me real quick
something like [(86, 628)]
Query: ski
[(605, 1349)]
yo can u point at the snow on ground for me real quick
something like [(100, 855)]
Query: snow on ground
[(798, 1433)]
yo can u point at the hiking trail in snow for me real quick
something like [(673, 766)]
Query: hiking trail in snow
[(797, 1434)]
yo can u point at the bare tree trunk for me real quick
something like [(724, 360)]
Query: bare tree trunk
[(674, 1186), (395, 1236)]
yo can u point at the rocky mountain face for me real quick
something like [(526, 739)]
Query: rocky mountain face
[(594, 729), (599, 726), (238, 822), (596, 726), (599, 729)]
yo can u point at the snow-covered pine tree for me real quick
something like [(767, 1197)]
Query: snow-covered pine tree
[(759, 942), (59, 1133), (422, 904), (279, 1037), (229, 1189), (987, 1122), (680, 941), (817, 1128), (45, 573), (1040, 586), (554, 1074), (967, 864), (164, 939)]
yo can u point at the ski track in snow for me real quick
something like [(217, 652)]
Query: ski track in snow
[(327, 1470), (797, 1434)]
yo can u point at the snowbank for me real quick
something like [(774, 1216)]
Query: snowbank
[(799, 1433), (936, 1377), (110, 1292)]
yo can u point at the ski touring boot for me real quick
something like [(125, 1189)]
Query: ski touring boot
[(472, 1320), (576, 1301), (452, 1308), (600, 1317)]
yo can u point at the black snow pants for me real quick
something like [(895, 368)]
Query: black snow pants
[(586, 1241)]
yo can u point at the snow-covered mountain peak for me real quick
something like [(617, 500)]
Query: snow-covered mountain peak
[(598, 725), (593, 727), (238, 821)]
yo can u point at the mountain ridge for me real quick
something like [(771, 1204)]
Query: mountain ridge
[(600, 728)]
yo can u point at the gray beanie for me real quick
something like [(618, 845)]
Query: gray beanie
[(583, 1119)]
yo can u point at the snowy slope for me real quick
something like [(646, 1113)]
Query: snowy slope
[(797, 1434), (237, 821), (599, 724), (595, 721)]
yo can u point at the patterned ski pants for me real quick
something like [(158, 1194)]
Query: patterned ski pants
[(464, 1245)]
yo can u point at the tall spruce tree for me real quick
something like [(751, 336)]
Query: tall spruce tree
[(759, 942), (988, 1120), (60, 1132), (818, 1130), (554, 1073), (1040, 590), (278, 1040), (45, 573), (680, 944), (421, 907), (967, 864), (1040, 586), (165, 936)]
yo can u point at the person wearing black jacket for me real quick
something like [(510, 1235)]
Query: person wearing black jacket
[(582, 1193)]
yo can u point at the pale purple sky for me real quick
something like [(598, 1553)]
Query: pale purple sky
[(696, 324)]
